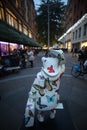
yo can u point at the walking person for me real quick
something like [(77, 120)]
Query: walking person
[(31, 57), (85, 58), (81, 55)]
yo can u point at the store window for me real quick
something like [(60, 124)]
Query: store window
[(12, 47), (84, 44), (7, 48), (4, 48)]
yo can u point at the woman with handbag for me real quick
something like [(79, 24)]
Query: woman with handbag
[(31, 57)]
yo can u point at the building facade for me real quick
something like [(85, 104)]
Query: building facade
[(18, 18), (74, 11), (79, 33), (76, 25)]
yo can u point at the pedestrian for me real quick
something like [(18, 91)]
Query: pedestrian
[(85, 58), (45, 88), (23, 62), (31, 57), (72, 51), (75, 52), (81, 55)]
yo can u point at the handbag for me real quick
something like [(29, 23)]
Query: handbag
[(29, 113)]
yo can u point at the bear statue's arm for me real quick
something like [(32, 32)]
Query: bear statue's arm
[(33, 91)]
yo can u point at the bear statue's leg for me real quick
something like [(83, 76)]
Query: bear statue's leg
[(40, 116), (52, 114)]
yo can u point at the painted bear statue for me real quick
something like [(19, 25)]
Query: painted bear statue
[(45, 88)]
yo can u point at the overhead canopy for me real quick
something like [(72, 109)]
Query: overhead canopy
[(28, 41), (9, 34)]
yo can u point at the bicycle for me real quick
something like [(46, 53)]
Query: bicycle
[(78, 70)]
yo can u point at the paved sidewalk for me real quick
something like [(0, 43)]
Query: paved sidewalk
[(14, 90)]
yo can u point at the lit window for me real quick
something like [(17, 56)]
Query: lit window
[(1, 13), (20, 26), (11, 19), (30, 34), (16, 3), (25, 30)]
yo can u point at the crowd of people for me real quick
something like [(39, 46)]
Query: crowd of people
[(24, 56), (20, 58)]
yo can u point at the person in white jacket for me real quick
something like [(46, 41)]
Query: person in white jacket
[(31, 57)]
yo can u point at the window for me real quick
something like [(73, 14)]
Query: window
[(73, 35), (1, 12), (25, 30), (76, 35), (85, 30), (79, 32), (30, 34), (11, 19), (4, 48), (15, 24), (16, 3), (20, 26)]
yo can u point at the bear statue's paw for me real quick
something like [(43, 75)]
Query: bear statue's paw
[(40, 118), (52, 114)]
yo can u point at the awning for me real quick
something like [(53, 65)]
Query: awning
[(28, 41), (35, 43), (9, 34)]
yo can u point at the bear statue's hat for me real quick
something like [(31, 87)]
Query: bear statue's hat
[(52, 65)]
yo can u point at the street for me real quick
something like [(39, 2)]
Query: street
[(14, 90)]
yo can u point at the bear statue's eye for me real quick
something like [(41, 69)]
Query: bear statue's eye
[(44, 60)]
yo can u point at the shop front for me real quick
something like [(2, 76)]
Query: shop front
[(11, 39)]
